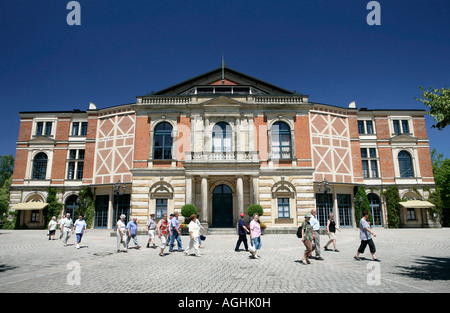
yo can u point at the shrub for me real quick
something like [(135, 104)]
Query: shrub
[(255, 208), (188, 209), (392, 198)]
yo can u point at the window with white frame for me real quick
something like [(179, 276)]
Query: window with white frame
[(365, 127), (401, 127), (283, 208), (43, 128), (369, 162), (75, 165), (79, 129)]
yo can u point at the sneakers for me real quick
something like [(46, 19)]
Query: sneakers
[(78, 246)]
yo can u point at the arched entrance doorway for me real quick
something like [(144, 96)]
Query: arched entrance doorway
[(222, 206)]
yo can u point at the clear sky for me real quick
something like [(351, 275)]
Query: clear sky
[(124, 49)]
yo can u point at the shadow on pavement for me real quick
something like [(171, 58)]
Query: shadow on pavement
[(4, 268), (428, 268)]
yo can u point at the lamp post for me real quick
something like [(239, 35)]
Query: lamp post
[(119, 192), (326, 188)]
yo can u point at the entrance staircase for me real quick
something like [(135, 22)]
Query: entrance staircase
[(221, 231)]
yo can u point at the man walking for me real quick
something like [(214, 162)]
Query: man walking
[(132, 232), (365, 235), (316, 227), (176, 233), (242, 232), (67, 228), (151, 227), (80, 228)]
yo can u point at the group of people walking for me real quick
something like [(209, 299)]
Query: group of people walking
[(168, 231), (67, 228)]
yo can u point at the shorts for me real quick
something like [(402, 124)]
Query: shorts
[(151, 233), (332, 235)]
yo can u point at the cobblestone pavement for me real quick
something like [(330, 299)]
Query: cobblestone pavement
[(413, 260)]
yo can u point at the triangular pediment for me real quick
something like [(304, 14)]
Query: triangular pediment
[(403, 138), (222, 101), (224, 77), (42, 140)]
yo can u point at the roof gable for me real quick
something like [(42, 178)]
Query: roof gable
[(231, 77)]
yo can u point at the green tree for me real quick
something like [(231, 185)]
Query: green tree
[(87, 205), (392, 198), (6, 167), (439, 102), (4, 199), (54, 207), (361, 203), (441, 172), (255, 208)]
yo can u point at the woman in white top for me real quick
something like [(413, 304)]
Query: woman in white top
[(121, 234), (194, 233), (52, 228)]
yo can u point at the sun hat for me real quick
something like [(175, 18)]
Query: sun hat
[(307, 215)]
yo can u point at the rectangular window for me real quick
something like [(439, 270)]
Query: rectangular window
[(80, 166), (75, 128), (161, 208), (405, 126), (83, 129), (363, 153), (369, 126), (411, 214), (35, 216), (48, 128), (71, 171), (372, 152), (39, 128), (374, 168), (397, 127), (345, 210), (283, 208), (81, 154), (72, 154), (365, 167), (361, 127)]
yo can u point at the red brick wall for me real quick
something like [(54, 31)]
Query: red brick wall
[(142, 142), (302, 140), (183, 137), (89, 152), (260, 124)]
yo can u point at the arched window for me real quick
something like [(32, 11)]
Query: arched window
[(375, 207), (162, 143), (405, 164), (222, 137), (281, 141), (40, 166)]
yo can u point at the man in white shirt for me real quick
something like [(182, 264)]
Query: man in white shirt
[(67, 227), (316, 226)]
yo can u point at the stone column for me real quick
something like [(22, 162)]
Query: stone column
[(240, 194), (188, 190), (204, 190)]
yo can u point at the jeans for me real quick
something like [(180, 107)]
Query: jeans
[(257, 243), (176, 236), (79, 236), (134, 239)]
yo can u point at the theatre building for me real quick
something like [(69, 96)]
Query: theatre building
[(223, 140)]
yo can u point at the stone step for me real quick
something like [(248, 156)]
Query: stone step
[(221, 231)]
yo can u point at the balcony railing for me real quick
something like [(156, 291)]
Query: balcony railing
[(243, 156)]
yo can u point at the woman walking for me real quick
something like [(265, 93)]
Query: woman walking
[(194, 233), (255, 235), (163, 232), (121, 235), (52, 228), (331, 228), (307, 238)]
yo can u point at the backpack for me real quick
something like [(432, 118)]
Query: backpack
[(299, 232)]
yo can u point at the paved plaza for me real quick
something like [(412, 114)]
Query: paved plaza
[(413, 260)]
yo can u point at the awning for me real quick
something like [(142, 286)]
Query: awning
[(417, 204), (29, 206)]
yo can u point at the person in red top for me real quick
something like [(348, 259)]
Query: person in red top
[(163, 232)]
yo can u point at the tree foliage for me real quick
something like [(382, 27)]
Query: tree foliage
[(255, 208), (54, 207), (392, 198), (439, 102), (441, 172), (87, 205), (361, 203), (6, 167), (188, 209)]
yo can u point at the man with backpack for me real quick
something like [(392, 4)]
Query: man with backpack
[(307, 236)]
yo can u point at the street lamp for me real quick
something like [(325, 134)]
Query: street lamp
[(119, 192)]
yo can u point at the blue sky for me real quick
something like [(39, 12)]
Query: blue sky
[(124, 49)]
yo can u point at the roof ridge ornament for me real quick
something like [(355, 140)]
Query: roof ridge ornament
[(223, 69)]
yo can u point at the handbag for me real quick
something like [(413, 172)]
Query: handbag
[(252, 249), (202, 238)]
